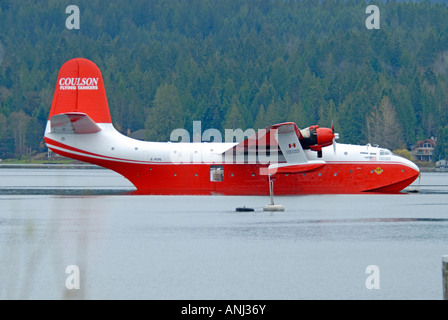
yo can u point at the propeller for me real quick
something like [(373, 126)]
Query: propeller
[(335, 136)]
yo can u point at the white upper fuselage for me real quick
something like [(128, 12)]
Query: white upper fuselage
[(110, 144)]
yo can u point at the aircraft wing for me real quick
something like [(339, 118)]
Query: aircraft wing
[(73, 122), (264, 138), (286, 137)]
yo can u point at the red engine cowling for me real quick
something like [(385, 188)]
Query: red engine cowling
[(315, 138)]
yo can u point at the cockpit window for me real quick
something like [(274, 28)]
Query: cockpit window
[(385, 152)]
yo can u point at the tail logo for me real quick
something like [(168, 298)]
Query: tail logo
[(78, 83)]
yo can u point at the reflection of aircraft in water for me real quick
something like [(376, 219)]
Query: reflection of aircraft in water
[(299, 161)]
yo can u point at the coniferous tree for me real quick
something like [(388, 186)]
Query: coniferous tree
[(383, 127), (166, 115), (441, 148)]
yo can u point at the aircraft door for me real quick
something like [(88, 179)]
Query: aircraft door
[(216, 173)]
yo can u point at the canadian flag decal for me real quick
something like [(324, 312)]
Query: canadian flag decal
[(292, 145)]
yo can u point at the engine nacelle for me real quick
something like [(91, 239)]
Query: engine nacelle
[(315, 138)]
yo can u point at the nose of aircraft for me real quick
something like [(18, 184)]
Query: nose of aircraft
[(415, 169)]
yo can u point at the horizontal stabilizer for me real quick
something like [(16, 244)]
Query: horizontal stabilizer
[(73, 122)]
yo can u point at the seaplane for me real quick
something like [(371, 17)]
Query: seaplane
[(295, 161)]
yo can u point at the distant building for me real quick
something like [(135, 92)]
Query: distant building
[(424, 150)]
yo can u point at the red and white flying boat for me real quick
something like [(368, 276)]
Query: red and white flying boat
[(306, 161)]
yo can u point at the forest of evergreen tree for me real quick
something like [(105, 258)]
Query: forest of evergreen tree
[(233, 64)]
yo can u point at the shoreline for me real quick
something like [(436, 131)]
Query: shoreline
[(432, 169)]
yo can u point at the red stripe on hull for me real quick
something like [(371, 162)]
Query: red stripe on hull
[(245, 179)]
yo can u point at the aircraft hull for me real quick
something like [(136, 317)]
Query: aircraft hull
[(336, 177)]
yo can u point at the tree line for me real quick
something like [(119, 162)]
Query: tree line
[(233, 64)]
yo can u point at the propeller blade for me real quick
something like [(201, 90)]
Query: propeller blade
[(335, 136)]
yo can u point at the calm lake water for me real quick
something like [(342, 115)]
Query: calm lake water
[(198, 247)]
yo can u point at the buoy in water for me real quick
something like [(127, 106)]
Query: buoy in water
[(244, 209), (274, 207)]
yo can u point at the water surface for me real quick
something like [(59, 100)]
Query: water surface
[(198, 247)]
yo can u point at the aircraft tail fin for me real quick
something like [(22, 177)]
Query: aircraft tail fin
[(80, 89)]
